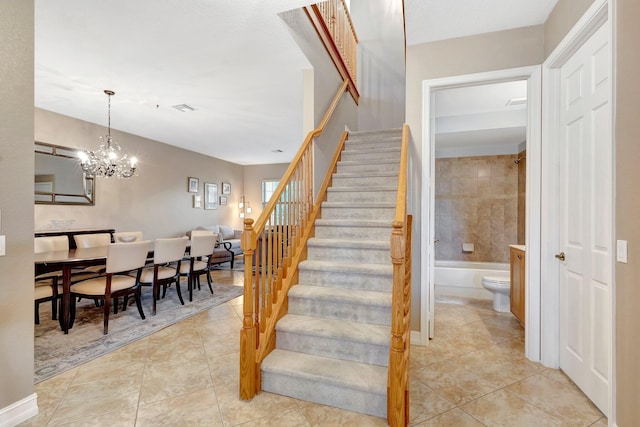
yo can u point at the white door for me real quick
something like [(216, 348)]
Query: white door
[(586, 218)]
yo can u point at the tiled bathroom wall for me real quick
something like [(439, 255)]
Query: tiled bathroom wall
[(476, 202), (522, 196)]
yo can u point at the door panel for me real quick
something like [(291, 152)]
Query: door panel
[(586, 196)]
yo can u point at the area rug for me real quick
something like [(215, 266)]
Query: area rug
[(56, 352)]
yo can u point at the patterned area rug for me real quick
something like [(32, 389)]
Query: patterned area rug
[(56, 352)]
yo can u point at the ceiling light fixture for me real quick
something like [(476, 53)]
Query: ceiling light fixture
[(107, 161)]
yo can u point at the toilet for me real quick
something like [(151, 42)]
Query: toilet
[(499, 286)]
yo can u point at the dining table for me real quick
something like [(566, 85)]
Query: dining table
[(66, 261)]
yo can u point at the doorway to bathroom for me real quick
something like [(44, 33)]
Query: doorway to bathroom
[(470, 185)]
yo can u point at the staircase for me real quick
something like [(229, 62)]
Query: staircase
[(333, 345)]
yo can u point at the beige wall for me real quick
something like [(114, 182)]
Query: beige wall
[(16, 203), (156, 201), (627, 137), (476, 202), (522, 197), (564, 15), (485, 52)]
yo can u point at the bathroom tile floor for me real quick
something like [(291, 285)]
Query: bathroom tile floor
[(473, 373)]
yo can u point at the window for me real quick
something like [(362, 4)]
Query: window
[(268, 188)]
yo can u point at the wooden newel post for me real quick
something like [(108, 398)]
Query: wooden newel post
[(248, 333), (397, 370)]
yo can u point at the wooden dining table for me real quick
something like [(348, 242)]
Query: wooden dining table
[(66, 261)]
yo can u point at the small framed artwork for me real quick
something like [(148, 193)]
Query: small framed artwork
[(223, 200), (226, 188), (210, 195), (197, 201), (192, 185)]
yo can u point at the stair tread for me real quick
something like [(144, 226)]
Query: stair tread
[(351, 150), (345, 330), (348, 243), (347, 267), (368, 162), (343, 373), (364, 174), (354, 296)]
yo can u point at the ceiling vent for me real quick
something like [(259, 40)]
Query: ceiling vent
[(516, 101), (183, 107)]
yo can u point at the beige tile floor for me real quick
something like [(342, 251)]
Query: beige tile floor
[(473, 373)]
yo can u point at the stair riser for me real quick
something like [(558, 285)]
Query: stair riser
[(376, 315), (386, 214), (372, 144), (358, 255), (326, 394), (365, 181), (368, 167), (358, 233), (354, 156), (334, 348), (369, 282), (362, 196), (375, 136)]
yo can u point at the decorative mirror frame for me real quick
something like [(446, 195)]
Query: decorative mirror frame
[(52, 197)]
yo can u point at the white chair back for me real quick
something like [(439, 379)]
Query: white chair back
[(127, 256), (169, 250), (50, 243), (92, 240), (127, 236), (202, 245)]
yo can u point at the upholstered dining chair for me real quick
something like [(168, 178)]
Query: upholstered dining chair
[(92, 241), (48, 285), (201, 249), (167, 258), (46, 290), (122, 259)]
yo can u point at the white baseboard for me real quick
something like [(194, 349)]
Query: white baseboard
[(416, 338), (19, 411)]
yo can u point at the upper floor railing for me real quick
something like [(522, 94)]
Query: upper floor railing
[(335, 28)]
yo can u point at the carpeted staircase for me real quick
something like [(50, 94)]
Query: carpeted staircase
[(333, 345)]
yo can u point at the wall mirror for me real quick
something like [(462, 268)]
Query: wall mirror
[(59, 179)]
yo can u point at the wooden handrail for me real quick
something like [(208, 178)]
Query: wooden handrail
[(273, 247), (334, 26), (398, 382)]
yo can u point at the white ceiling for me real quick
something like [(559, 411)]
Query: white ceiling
[(234, 62)]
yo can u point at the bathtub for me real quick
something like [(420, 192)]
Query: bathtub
[(464, 278)]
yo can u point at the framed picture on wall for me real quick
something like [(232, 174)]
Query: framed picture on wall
[(223, 200), (197, 201), (210, 195), (226, 188), (192, 185)]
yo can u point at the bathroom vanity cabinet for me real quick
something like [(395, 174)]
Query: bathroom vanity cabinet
[(517, 255)]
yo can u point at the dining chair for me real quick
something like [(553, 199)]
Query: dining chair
[(122, 259), (46, 290), (167, 258), (201, 249), (47, 287), (91, 241)]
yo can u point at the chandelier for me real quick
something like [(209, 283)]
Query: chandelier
[(107, 160)]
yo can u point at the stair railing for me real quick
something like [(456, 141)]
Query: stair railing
[(398, 382), (333, 23), (273, 247)]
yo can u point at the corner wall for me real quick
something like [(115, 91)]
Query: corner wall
[(627, 210), (16, 206)]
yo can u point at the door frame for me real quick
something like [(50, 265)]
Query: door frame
[(598, 13), (533, 193)]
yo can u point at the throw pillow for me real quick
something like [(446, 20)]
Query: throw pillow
[(227, 232)]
